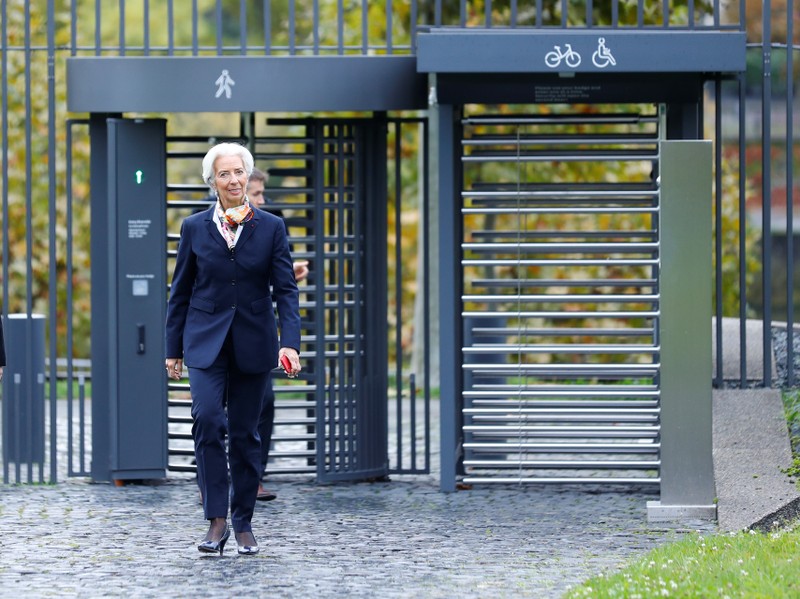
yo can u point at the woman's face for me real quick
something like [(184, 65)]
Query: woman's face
[(230, 180)]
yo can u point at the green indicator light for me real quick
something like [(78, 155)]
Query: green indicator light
[(139, 177)]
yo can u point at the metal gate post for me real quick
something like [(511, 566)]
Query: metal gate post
[(129, 408), (687, 473), (446, 270)]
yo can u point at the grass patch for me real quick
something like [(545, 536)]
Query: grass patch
[(743, 564), (62, 388), (791, 406)]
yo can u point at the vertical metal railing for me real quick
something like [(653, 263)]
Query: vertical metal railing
[(790, 196), (766, 191), (52, 152), (315, 28), (77, 465), (411, 392), (742, 238)]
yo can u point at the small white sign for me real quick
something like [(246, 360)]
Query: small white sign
[(224, 83), (570, 57), (138, 228), (602, 57), (141, 287)]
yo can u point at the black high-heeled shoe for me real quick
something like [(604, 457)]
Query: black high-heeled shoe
[(247, 549), (214, 546)]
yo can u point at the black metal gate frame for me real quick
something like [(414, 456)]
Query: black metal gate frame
[(338, 209)]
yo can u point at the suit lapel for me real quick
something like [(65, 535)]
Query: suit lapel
[(211, 226), (248, 228)]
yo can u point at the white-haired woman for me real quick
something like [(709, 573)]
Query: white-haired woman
[(232, 263)]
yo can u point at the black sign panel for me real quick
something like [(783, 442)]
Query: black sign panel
[(244, 83), (585, 88)]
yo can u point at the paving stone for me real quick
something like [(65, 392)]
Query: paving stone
[(398, 539)]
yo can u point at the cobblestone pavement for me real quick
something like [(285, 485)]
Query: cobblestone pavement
[(392, 539), (402, 538)]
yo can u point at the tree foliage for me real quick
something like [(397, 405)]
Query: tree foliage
[(28, 183), (290, 24)]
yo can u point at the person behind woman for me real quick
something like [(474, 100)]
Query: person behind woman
[(266, 423), (221, 325)]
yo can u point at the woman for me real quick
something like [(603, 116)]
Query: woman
[(232, 261)]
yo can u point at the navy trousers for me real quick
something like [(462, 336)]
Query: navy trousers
[(218, 389)]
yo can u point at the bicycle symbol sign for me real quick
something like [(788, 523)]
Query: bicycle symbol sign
[(553, 58), (601, 58)]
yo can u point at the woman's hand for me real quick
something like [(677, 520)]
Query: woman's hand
[(294, 360), (300, 270), (174, 368)]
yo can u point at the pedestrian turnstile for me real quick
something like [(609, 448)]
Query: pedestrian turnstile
[(129, 295)]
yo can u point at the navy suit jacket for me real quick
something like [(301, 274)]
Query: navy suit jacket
[(215, 289)]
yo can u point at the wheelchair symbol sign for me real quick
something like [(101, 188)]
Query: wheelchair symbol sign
[(602, 57)]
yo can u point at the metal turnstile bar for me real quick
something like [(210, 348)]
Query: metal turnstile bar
[(528, 139), (564, 248), (596, 480), (563, 210), (562, 331), (532, 283), (562, 262), (587, 155), (525, 196), (576, 348), (589, 447), (523, 431), (630, 118), (580, 298), (622, 412), (643, 464), (567, 314), (612, 235), (588, 332), (512, 403)]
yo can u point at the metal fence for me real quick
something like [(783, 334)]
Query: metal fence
[(44, 158)]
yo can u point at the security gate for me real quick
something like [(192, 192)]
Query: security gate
[(328, 177), (560, 300)]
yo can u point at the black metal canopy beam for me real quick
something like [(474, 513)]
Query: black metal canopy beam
[(580, 51), (244, 84)]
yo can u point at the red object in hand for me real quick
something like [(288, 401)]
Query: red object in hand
[(286, 363)]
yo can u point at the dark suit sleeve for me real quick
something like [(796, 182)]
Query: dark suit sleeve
[(180, 294), (284, 290), (279, 213)]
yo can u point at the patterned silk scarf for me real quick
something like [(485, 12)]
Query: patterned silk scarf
[(229, 221)]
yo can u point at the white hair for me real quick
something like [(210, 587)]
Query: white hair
[(225, 149)]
